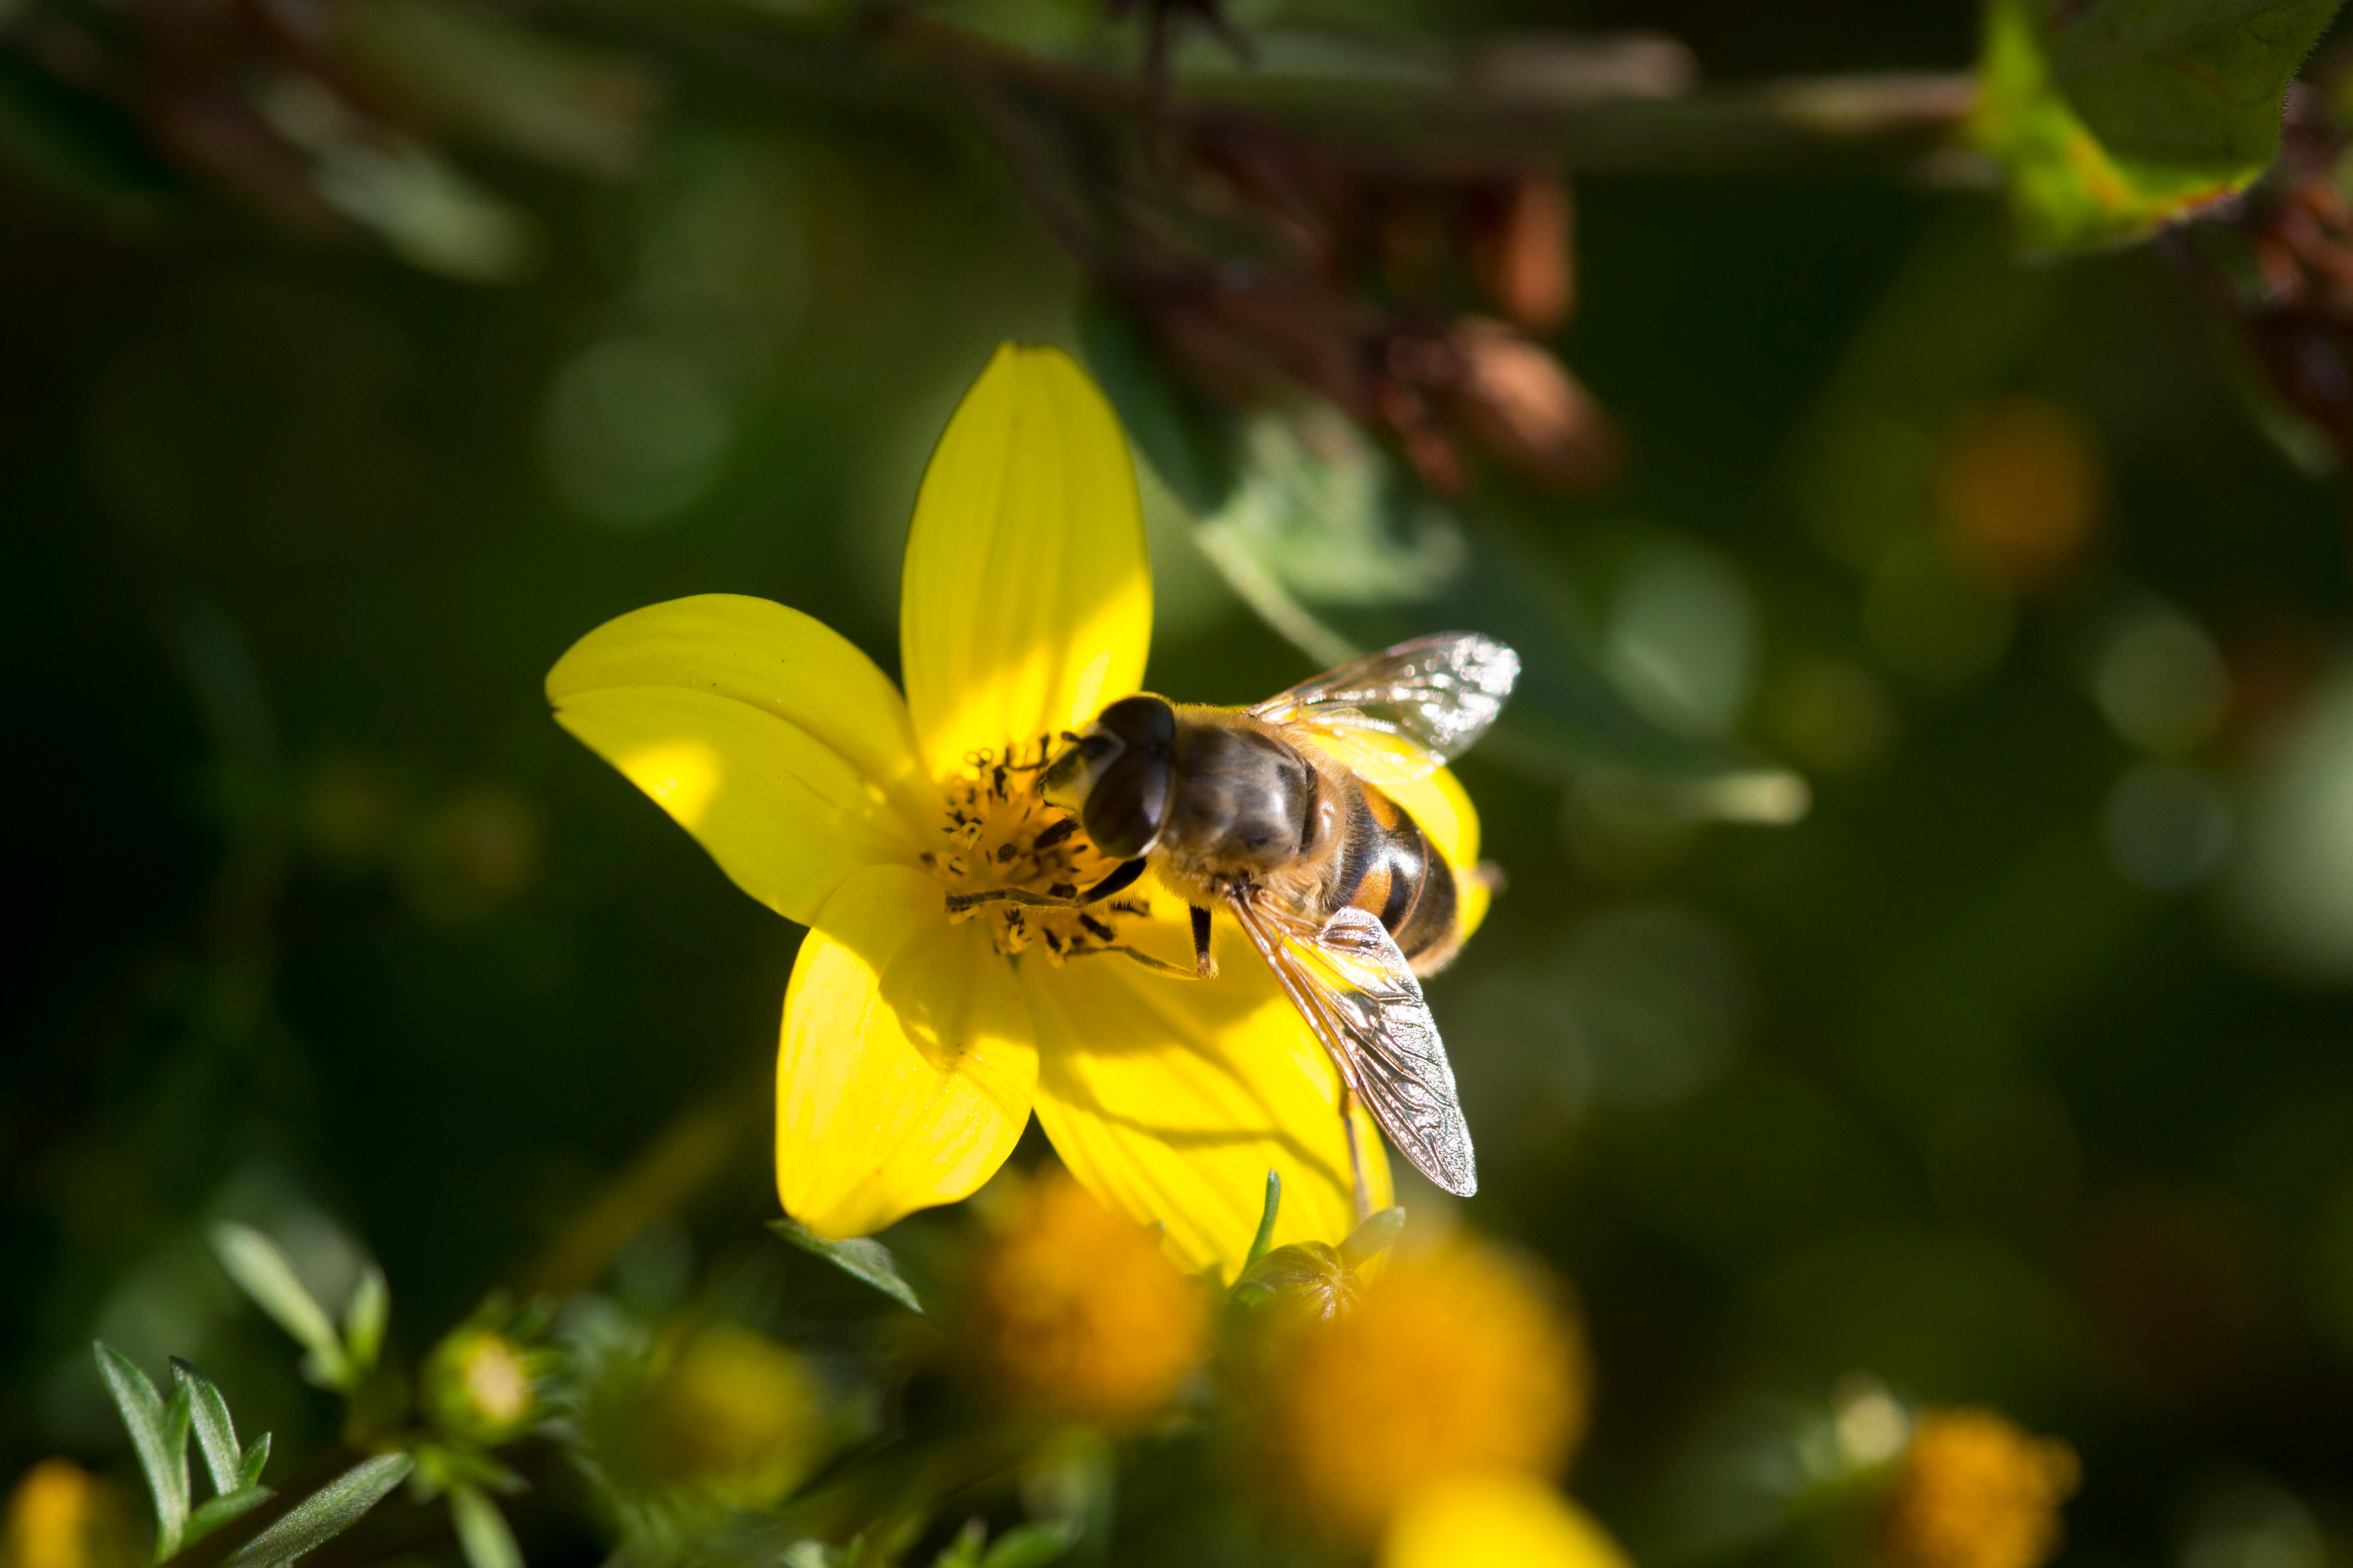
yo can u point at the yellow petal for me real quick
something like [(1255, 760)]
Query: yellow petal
[(1173, 1097), (1027, 603), (788, 817), (1495, 1522), (1437, 803), (775, 658), (907, 1066)]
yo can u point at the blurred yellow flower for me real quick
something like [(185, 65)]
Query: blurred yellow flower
[(1975, 1491), (2021, 489), (1078, 1313), (734, 1418), (1495, 1522), (915, 1046), (60, 1516), (1445, 1366)]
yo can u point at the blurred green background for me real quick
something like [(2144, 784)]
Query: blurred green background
[(2014, 1071)]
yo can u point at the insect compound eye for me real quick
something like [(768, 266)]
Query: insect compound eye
[(1125, 810), (1142, 723), (1067, 776)]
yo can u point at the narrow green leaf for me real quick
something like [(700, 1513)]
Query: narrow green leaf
[(862, 1258), (325, 1513), (230, 1505), (1376, 1236), (365, 1317), (1033, 1545), (1265, 1237), (482, 1530), (263, 1272), (249, 1469), (216, 1432), (159, 1433)]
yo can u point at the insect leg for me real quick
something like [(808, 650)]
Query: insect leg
[(1203, 965), (1122, 878), (958, 902)]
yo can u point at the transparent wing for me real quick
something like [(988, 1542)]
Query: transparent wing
[(1398, 715), (1359, 994)]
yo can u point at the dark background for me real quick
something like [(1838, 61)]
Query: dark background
[(323, 923)]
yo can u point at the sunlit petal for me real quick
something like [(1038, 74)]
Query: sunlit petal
[(1028, 598), (788, 817), (1437, 803), (1173, 1097), (1495, 1522), (907, 1065), (769, 657)]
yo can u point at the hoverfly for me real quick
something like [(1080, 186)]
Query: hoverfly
[(1276, 814)]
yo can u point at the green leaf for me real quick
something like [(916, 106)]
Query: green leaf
[(1374, 1236), (365, 1317), (862, 1258), (230, 1505), (159, 1433), (1265, 1237), (249, 1469), (2115, 117), (215, 1433), (325, 1513), (482, 1530), (1033, 1545), (964, 1552), (263, 1272)]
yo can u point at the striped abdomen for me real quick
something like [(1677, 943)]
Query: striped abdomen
[(1388, 868)]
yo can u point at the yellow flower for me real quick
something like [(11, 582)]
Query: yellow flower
[(1446, 1366), (1078, 1313), (1976, 1492), (734, 1418), (915, 1046), (60, 1516), (1495, 1522)]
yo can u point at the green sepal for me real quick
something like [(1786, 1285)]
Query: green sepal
[(862, 1257)]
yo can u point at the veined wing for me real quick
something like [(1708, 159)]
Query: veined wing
[(1359, 994), (1398, 715)]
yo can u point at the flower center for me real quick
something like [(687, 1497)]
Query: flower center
[(1001, 834)]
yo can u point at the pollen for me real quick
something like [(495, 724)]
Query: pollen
[(998, 834), (1454, 1364), (1976, 1491), (1080, 1315)]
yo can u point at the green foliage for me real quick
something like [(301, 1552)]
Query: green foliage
[(264, 1273), (1264, 1237), (159, 1434), (325, 1513), (862, 1258), (2116, 117), (482, 1532)]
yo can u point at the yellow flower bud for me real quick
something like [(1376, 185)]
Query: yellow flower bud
[(1079, 1314), (1975, 1491), (479, 1383), (1453, 1364), (735, 1418)]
